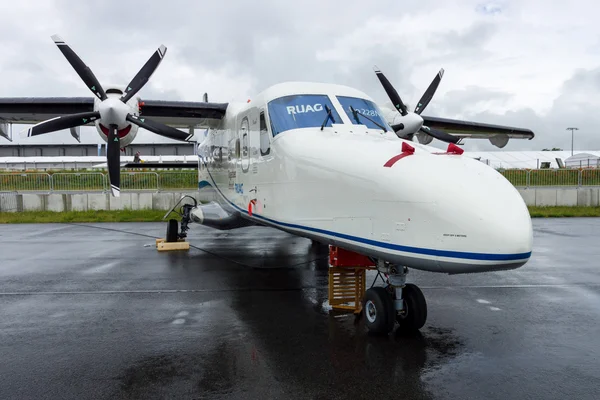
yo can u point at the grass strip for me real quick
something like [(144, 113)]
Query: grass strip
[(157, 215), (564, 212), (29, 217)]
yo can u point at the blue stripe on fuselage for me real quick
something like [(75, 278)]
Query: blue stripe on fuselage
[(391, 246)]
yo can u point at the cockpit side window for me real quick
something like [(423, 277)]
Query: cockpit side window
[(265, 140), (301, 111)]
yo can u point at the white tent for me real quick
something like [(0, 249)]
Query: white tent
[(526, 159), (583, 160)]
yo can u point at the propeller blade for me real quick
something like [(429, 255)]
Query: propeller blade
[(144, 74), (391, 92), (113, 159), (64, 122), (84, 72), (398, 127), (428, 95), (440, 135), (159, 129)]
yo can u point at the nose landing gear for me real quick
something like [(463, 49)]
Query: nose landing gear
[(173, 234), (378, 310), (397, 302)]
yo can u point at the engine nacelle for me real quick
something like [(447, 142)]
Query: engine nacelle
[(499, 140), (424, 138), (126, 135)]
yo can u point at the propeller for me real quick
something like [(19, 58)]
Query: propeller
[(110, 111), (412, 122)]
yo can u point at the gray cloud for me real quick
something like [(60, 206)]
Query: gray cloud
[(466, 44), (577, 106), (236, 49), (457, 101)]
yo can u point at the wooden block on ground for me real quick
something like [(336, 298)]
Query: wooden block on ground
[(170, 246)]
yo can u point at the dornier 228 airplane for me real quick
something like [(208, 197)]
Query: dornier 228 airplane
[(325, 162)]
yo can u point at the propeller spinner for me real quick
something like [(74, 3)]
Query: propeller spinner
[(410, 123), (113, 115)]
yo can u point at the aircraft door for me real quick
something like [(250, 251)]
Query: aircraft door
[(255, 140)]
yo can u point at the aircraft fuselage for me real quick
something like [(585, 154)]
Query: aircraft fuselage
[(352, 185)]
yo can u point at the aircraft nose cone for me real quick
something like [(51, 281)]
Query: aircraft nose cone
[(469, 216), (482, 205)]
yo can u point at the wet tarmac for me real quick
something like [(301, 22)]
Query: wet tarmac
[(94, 311)]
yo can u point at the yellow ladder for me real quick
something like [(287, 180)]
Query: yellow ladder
[(346, 288)]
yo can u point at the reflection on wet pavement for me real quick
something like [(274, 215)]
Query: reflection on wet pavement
[(92, 311)]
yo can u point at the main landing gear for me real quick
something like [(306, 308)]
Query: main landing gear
[(397, 302)]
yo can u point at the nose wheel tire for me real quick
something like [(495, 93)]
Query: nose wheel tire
[(172, 231), (414, 313), (378, 310)]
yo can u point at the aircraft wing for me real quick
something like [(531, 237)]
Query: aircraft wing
[(28, 110), (469, 129), (165, 165), (181, 114), (498, 135)]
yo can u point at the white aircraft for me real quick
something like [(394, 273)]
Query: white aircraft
[(325, 162)]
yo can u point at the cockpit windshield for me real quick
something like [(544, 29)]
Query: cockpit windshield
[(366, 108), (301, 111)]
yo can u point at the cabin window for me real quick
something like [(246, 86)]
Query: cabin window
[(265, 140), (301, 111)]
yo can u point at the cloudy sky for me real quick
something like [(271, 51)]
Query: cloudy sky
[(526, 63)]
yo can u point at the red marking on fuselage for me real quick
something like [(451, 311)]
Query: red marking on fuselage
[(252, 202), (407, 150), (452, 149)]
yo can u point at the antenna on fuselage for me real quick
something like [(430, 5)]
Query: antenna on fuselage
[(205, 98)]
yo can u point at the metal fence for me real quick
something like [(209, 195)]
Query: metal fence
[(77, 182), (137, 181), (64, 182), (552, 177)]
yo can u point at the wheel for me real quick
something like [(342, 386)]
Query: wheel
[(378, 310), (172, 230), (414, 315)]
